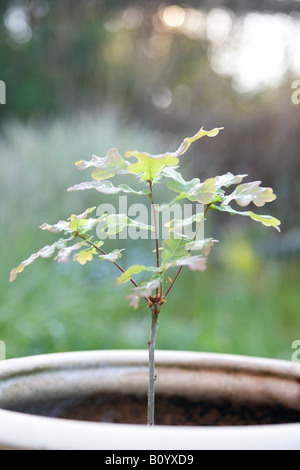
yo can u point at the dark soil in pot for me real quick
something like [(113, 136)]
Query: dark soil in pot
[(174, 411)]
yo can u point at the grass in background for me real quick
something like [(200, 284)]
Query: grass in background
[(245, 303)]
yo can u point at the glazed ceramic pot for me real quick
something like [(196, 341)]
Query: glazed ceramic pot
[(97, 400)]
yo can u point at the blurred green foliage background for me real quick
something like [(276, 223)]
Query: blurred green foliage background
[(84, 76)]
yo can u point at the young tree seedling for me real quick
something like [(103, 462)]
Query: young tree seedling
[(177, 250)]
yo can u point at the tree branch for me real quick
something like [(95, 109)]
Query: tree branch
[(155, 229), (104, 253)]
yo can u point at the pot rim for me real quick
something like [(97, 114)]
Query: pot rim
[(139, 357), (53, 433)]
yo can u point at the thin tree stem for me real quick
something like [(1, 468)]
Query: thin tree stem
[(152, 376), (155, 227), (174, 280), (155, 308)]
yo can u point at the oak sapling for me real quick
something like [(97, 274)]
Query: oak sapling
[(176, 251)]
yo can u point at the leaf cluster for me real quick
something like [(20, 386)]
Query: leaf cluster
[(178, 251)]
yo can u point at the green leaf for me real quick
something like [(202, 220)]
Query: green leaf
[(115, 223), (193, 190), (228, 179), (85, 255), (173, 249), (178, 184), (45, 252), (150, 166), (266, 220), (73, 224), (203, 245), (103, 187), (61, 226), (135, 269), (142, 291), (246, 193), (113, 256), (88, 225), (106, 167), (127, 189), (204, 192), (64, 253), (177, 225), (201, 133), (103, 173), (127, 275), (106, 187), (194, 263), (84, 214)]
